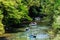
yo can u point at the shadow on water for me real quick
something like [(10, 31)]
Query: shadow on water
[(13, 30), (3, 38)]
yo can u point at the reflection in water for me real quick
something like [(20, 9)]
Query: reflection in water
[(3, 38), (34, 32), (42, 36), (37, 33)]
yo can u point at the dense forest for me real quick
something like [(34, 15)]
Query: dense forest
[(14, 12)]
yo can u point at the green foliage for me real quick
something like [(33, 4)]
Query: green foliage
[(1, 25), (31, 2), (13, 11), (1, 16), (56, 23), (56, 16), (2, 31)]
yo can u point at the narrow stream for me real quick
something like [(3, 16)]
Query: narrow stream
[(39, 33), (36, 32)]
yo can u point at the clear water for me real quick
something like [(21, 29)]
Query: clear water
[(38, 32)]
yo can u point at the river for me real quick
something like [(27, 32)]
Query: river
[(35, 33)]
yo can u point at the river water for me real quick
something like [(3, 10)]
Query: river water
[(40, 33), (34, 33)]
